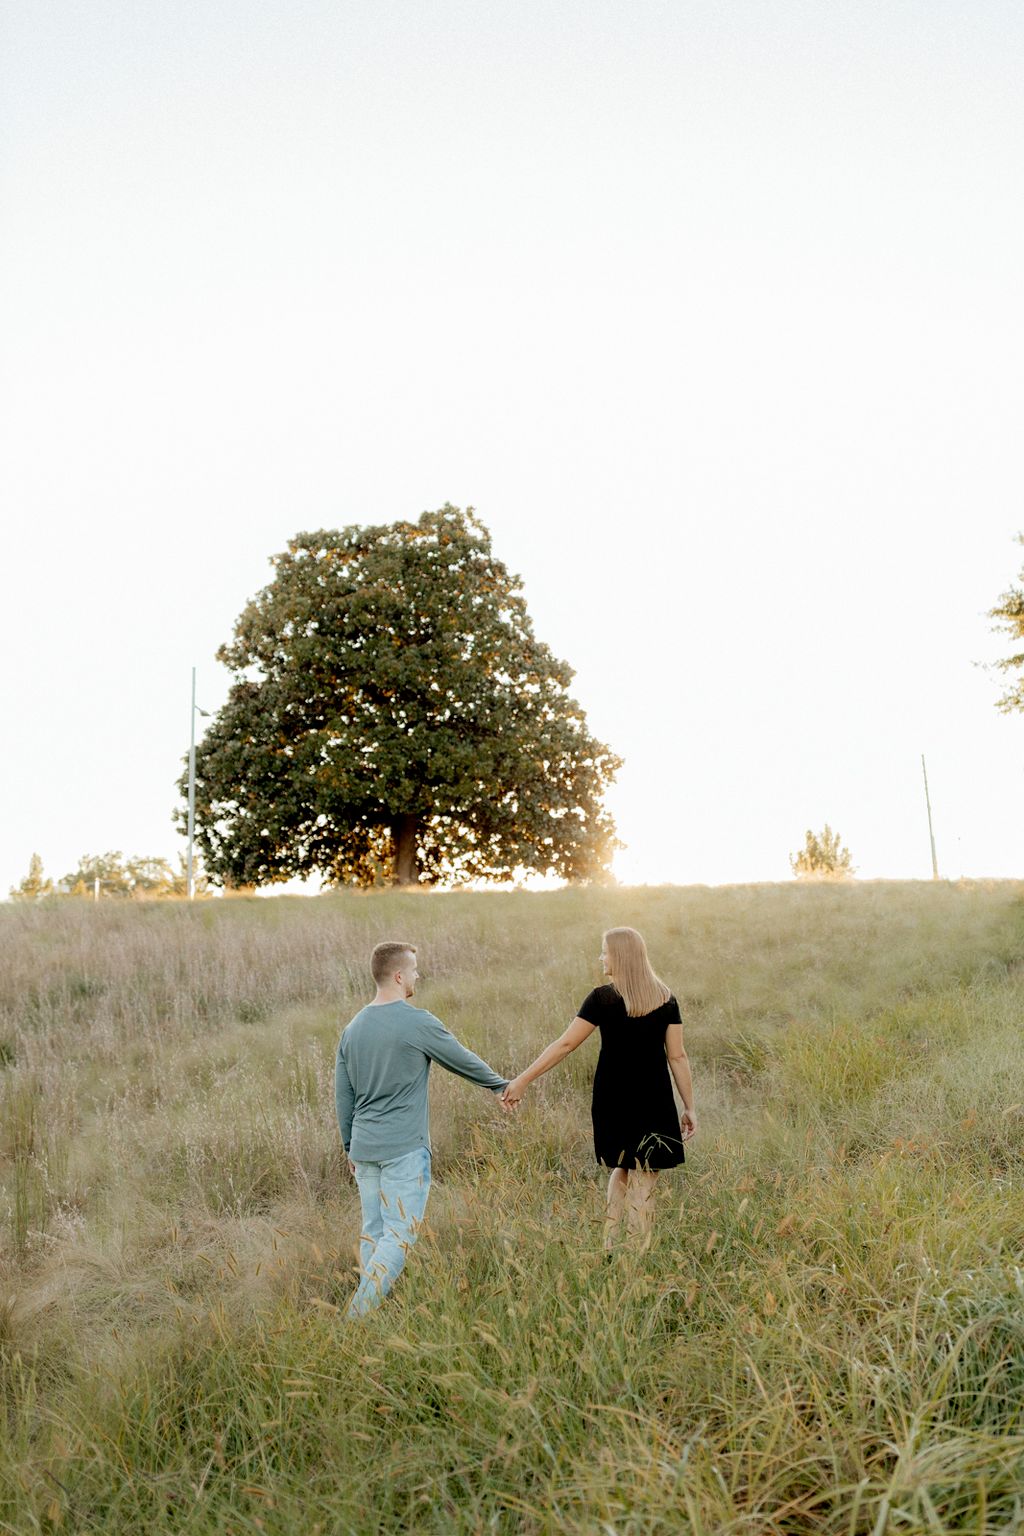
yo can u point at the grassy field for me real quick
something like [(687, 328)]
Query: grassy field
[(825, 1335)]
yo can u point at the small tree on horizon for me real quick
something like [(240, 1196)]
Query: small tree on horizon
[(1009, 616), (822, 857), (35, 885)]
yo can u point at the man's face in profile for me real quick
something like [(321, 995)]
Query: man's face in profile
[(409, 975)]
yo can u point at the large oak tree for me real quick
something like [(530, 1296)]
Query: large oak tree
[(394, 717)]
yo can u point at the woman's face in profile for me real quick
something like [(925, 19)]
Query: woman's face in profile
[(604, 959)]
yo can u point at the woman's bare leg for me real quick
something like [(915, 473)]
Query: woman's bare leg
[(640, 1202), (615, 1206)]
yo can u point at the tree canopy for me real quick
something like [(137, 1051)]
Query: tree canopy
[(822, 857), (395, 718)]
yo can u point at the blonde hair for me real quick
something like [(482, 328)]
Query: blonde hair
[(385, 958), (630, 972)]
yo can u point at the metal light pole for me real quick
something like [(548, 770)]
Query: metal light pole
[(931, 834), (191, 883)]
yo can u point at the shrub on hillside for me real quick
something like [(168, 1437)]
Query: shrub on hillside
[(822, 857)]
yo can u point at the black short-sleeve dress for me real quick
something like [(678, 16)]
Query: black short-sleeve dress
[(636, 1124)]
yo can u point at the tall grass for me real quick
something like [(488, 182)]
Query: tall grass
[(825, 1334)]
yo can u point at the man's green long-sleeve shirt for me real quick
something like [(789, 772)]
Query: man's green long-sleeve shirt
[(380, 1078)]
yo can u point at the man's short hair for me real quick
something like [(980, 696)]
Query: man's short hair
[(386, 960)]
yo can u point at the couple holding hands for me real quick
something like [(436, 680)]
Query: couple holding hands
[(380, 1090)]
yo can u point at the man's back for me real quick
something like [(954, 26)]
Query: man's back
[(381, 1073)]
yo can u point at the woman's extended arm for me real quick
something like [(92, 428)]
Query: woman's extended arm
[(679, 1066), (557, 1051)]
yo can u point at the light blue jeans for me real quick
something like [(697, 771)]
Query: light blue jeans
[(393, 1196)]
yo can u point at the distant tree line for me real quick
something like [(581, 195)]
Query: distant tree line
[(118, 876)]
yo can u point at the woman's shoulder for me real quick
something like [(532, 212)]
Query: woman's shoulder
[(597, 1004), (602, 995)]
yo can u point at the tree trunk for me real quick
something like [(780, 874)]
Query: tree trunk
[(403, 833)]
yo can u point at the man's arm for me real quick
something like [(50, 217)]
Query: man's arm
[(441, 1046), (344, 1099)]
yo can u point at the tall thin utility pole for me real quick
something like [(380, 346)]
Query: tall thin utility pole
[(191, 884), (931, 834)]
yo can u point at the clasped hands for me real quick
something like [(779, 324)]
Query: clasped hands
[(512, 1096)]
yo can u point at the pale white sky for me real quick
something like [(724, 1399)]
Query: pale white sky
[(712, 309)]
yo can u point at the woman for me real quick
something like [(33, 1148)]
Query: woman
[(636, 1132)]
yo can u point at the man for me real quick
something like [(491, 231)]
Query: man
[(380, 1093)]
